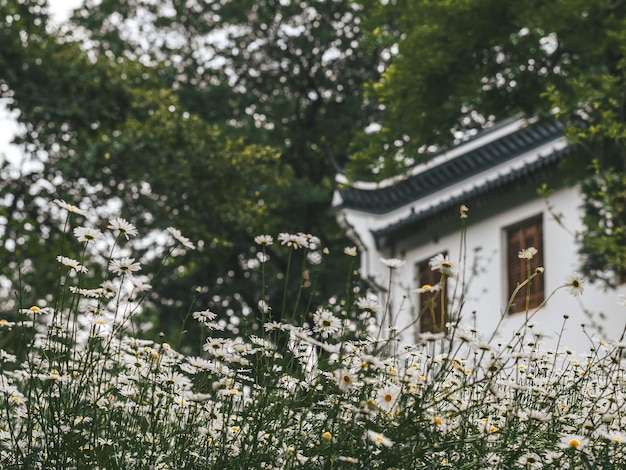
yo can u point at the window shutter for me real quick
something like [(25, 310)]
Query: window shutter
[(429, 302), (519, 237)]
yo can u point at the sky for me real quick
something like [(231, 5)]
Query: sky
[(60, 10)]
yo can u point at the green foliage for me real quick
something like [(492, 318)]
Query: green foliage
[(465, 63), (230, 147), (168, 138), (604, 238)]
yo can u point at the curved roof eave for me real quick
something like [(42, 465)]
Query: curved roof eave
[(504, 142), (418, 215)]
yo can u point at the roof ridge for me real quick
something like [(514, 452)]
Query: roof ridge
[(519, 137)]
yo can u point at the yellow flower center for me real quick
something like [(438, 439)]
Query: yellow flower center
[(34, 308), (327, 435), (574, 443), (388, 397), (438, 420)]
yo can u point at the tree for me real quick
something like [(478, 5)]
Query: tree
[(178, 140), (287, 74), (280, 73), (112, 133), (460, 65)]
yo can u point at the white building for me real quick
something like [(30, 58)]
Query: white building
[(496, 175)]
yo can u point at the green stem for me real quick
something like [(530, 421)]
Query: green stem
[(286, 285)]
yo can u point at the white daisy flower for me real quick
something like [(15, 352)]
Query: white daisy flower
[(263, 306), (178, 236), (572, 441), (530, 460), (392, 263), (427, 288), (124, 265), (101, 325), (346, 380), (574, 284), (379, 439), (91, 293), (350, 250), (387, 397), (369, 304), (108, 288), (87, 234), (274, 326), (442, 264), (37, 310), (325, 323), (263, 240), (527, 253), (314, 257), (123, 226), (140, 286), (69, 207), (204, 316), (72, 263), (312, 242), (293, 240)]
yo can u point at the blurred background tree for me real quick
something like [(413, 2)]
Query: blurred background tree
[(229, 119), (224, 119)]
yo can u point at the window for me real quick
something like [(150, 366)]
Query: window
[(520, 237), (431, 304)]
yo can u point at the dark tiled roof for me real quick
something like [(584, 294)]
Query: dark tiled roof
[(455, 201), (459, 168)]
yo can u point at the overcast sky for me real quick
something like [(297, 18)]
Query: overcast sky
[(61, 8)]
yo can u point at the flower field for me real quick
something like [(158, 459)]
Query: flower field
[(328, 389)]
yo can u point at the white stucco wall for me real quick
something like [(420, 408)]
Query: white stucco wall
[(486, 291)]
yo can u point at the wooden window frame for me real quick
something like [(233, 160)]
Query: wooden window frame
[(429, 302), (523, 235)]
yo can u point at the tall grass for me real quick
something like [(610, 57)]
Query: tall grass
[(332, 390)]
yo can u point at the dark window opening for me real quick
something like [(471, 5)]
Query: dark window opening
[(432, 304), (521, 237)]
